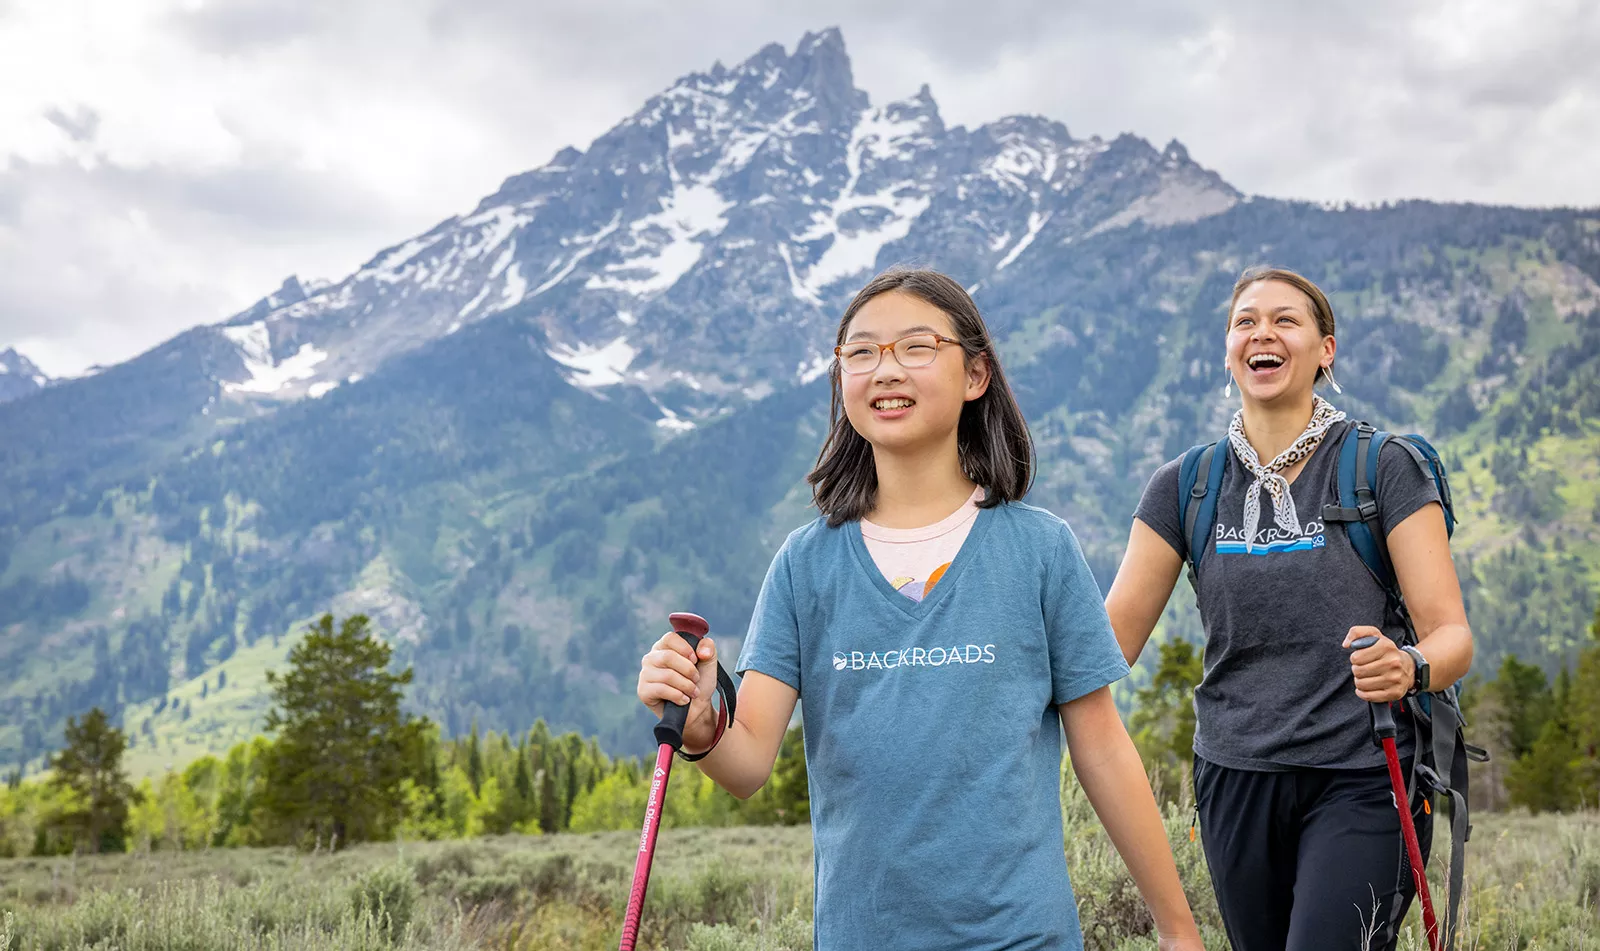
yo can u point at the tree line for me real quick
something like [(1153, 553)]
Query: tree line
[(344, 764)]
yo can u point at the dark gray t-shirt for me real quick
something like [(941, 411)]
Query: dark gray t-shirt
[(1277, 692)]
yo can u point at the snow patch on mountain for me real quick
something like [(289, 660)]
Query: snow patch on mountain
[(819, 364), (861, 224), (855, 247), (665, 243), (672, 421), (1036, 221), (587, 245), (596, 366), (393, 267), (515, 288), (267, 375), (500, 223)]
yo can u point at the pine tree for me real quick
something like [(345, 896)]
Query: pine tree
[(1545, 780), (1163, 719), (573, 772), (524, 781), (343, 746), (522, 787), (90, 767), (1528, 702), (475, 759), (1582, 705)]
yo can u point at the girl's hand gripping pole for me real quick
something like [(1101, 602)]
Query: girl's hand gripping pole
[(669, 734)]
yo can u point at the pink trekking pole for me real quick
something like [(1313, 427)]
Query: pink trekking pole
[(669, 733), (1383, 726)]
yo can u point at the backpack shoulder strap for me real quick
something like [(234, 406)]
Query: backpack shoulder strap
[(1197, 501), (1358, 503)]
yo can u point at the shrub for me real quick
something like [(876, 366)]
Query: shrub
[(389, 894)]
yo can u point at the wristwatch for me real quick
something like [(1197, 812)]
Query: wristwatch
[(1420, 684)]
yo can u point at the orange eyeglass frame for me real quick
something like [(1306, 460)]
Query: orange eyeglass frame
[(883, 348)]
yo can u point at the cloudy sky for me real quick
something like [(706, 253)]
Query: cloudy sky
[(165, 163)]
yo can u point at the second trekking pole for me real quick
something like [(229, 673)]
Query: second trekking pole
[(1384, 728), (669, 734)]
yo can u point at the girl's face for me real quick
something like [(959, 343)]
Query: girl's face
[(1275, 348), (900, 409)]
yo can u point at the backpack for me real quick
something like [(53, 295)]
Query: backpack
[(1442, 752)]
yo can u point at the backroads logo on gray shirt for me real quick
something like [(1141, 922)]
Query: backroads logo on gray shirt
[(1271, 540)]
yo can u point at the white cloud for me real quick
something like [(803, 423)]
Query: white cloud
[(167, 162)]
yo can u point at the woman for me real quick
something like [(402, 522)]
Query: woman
[(1296, 814)]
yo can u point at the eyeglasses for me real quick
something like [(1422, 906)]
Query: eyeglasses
[(917, 350)]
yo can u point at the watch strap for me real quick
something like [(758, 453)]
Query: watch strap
[(1420, 682)]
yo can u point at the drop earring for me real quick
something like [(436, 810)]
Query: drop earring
[(1227, 391), (1328, 372)]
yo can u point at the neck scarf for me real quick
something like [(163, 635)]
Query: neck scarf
[(1269, 477)]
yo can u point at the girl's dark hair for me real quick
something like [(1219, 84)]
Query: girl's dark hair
[(992, 437)]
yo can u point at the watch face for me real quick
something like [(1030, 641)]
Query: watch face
[(1421, 664)]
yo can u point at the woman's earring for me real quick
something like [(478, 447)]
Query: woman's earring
[(1227, 391), (1328, 372)]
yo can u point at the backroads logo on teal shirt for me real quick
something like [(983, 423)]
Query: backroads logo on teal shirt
[(1271, 540), (914, 657)]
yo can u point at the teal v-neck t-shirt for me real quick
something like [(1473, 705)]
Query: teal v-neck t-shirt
[(933, 744)]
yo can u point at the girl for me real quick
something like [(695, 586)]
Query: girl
[(1296, 815), (942, 634)]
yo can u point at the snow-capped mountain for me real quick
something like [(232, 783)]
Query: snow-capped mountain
[(19, 376), (703, 242), (496, 438)]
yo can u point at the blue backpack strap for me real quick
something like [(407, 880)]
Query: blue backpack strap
[(1197, 501), (1358, 504)]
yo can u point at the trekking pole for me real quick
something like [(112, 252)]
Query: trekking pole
[(669, 733), (1383, 727)]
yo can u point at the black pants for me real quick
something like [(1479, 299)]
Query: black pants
[(1309, 860)]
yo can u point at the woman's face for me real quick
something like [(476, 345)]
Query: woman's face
[(1275, 348), (902, 409)]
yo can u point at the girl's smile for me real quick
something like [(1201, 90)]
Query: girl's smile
[(892, 406), (895, 408)]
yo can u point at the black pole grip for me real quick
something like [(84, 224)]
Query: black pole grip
[(691, 628), (1383, 721), (675, 715), (1382, 713)]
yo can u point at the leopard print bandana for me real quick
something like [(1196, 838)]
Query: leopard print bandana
[(1323, 416)]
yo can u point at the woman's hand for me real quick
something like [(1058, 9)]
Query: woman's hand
[(1383, 672), (1189, 942)]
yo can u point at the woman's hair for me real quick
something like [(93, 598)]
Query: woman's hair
[(992, 437), (1321, 310)]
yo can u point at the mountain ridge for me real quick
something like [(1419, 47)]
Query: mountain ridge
[(523, 436)]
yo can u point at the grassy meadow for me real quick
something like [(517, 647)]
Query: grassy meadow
[(1534, 883)]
